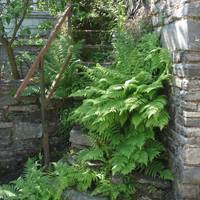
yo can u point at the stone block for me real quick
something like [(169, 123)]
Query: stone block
[(192, 85), (193, 34), (182, 140), (186, 56), (190, 9), (27, 130), (190, 122), (189, 106), (187, 131), (75, 195), (7, 100), (186, 70), (175, 35), (190, 175), (182, 34), (28, 100), (191, 57), (188, 114), (190, 96), (23, 108), (5, 125), (79, 139), (5, 138), (187, 191), (191, 156)]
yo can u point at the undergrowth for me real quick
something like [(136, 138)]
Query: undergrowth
[(124, 111), (72, 79)]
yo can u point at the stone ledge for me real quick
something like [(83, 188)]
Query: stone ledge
[(23, 108), (5, 125)]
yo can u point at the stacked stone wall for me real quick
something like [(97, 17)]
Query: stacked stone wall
[(178, 22), (21, 129)]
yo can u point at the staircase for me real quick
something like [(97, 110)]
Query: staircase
[(97, 48), (97, 39)]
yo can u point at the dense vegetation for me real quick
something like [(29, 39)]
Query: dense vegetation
[(123, 109)]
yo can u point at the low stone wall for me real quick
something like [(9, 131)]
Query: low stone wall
[(21, 129)]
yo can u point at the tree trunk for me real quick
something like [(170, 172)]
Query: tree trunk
[(12, 61)]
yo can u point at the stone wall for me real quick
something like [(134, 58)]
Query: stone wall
[(21, 129), (178, 22)]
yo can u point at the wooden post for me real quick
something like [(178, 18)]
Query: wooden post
[(69, 20), (45, 135)]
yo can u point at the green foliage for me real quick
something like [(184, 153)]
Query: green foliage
[(73, 77), (96, 13), (33, 185), (36, 184), (125, 108)]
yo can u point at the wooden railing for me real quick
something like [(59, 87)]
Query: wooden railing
[(39, 63), (39, 59)]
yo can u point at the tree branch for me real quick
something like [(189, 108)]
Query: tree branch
[(4, 41), (18, 24)]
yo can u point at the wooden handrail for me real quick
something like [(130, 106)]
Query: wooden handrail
[(43, 51)]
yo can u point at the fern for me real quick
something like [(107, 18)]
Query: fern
[(123, 109), (73, 77)]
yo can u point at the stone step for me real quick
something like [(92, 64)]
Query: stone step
[(96, 53), (91, 64), (93, 22), (92, 36), (75, 195), (98, 47)]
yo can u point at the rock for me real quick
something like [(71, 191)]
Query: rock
[(158, 183), (75, 195), (144, 198), (117, 179), (79, 139)]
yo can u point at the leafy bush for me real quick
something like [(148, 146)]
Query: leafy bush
[(125, 109), (72, 79), (96, 13), (36, 184)]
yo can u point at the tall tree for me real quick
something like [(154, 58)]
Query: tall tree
[(12, 13)]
